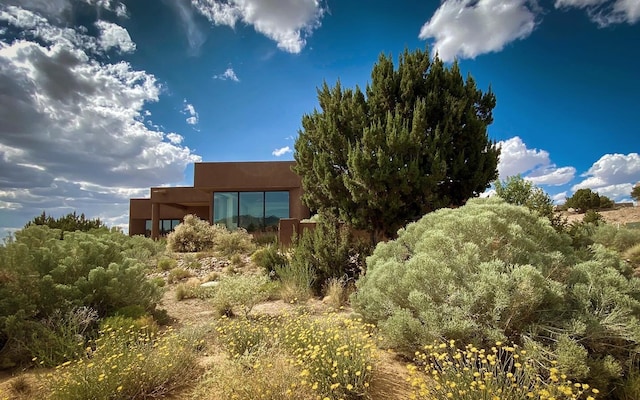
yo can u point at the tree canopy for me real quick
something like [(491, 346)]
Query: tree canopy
[(635, 192), (68, 223), (417, 141), (586, 199)]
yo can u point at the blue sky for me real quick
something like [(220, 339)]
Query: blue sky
[(101, 99)]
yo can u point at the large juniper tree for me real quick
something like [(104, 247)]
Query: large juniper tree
[(417, 141)]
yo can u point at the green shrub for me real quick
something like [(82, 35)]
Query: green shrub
[(234, 243), (632, 255), (124, 363), (191, 261), (133, 311), (618, 238), (185, 291), (296, 281), (240, 291), (167, 264), (593, 217), (43, 277), (520, 192), (268, 258), (266, 239), (630, 387), (60, 337), (490, 271), (178, 274), (193, 235), (330, 251)]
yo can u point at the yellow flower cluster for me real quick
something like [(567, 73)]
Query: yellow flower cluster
[(124, 364), (335, 356), (444, 371)]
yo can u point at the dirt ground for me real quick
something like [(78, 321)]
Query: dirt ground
[(622, 215)]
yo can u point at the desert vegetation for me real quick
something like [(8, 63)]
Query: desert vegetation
[(489, 299)]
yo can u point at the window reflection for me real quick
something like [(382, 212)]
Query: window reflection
[(225, 209), (254, 211)]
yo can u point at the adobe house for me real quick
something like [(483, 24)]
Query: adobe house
[(257, 196)]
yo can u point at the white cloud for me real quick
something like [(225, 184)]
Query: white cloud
[(552, 175), (606, 12), (287, 22), (613, 175), (468, 28), (72, 130), (59, 10), (190, 110), (559, 198), (229, 74), (174, 138), (533, 164), (113, 35), (281, 151)]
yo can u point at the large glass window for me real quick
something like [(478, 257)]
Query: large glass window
[(253, 211), (225, 209), (166, 226), (276, 206)]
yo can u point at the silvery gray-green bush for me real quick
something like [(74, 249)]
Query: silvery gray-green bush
[(193, 234), (490, 271)]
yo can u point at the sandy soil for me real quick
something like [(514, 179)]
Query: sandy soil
[(620, 216)]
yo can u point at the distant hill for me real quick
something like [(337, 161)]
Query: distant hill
[(620, 215)]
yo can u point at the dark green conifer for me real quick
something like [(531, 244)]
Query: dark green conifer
[(415, 143)]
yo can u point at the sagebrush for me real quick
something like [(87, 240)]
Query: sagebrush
[(490, 271)]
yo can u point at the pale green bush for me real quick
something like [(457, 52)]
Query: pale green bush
[(44, 279), (240, 291), (192, 235), (616, 237), (632, 256), (490, 271), (234, 243)]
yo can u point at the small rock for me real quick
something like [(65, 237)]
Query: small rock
[(210, 284)]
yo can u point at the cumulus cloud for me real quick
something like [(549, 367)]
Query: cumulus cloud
[(606, 12), (175, 138), (228, 74), (114, 36), (559, 198), (613, 175), (468, 28), (281, 151), (72, 131), (533, 164), (287, 22), (190, 110), (59, 10)]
